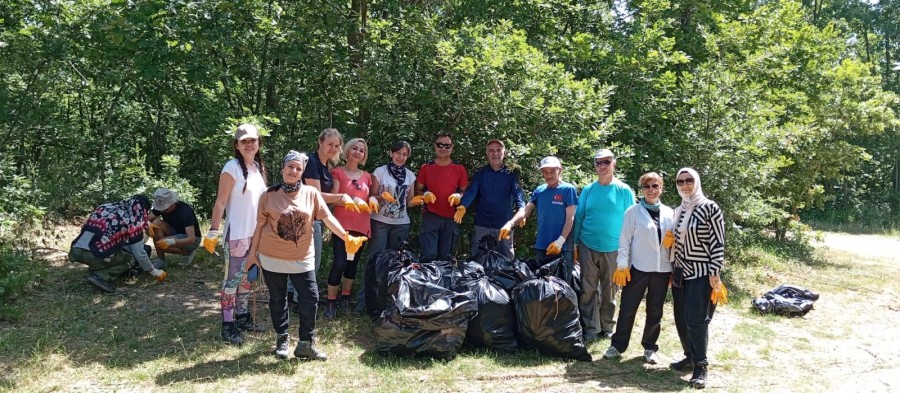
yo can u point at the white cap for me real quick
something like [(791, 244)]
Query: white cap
[(550, 162), (163, 198)]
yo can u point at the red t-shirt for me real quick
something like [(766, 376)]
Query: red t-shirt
[(351, 221), (442, 181)]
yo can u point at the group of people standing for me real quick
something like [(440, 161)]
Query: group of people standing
[(640, 245)]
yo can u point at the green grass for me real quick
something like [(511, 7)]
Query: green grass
[(151, 336)]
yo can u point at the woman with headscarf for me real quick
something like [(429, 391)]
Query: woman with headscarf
[(111, 239), (698, 257), (643, 268), (241, 182), (283, 245)]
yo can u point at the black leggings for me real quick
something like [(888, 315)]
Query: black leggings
[(693, 312), (341, 266)]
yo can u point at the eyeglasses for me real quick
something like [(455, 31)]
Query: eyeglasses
[(649, 186), (602, 162), (681, 182), (356, 184), (443, 145)]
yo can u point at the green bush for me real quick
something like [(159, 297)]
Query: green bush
[(19, 271)]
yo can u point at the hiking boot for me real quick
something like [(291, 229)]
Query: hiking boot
[(282, 346), (698, 380), (246, 323), (100, 282), (682, 365), (231, 334), (650, 356), (330, 309), (305, 350), (612, 353)]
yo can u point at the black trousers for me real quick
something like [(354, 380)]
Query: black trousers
[(693, 312), (307, 303), (654, 285)]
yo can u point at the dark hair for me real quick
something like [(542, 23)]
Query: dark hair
[(443, 134), (144, 201), (399, 145), (257, 158)]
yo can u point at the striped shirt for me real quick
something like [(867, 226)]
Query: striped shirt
[(701, 251)]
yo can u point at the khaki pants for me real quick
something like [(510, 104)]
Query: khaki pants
[(597, 305), (117, 264)]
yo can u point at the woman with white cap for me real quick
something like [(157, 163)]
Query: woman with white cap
[(698, 257), (241, 183)]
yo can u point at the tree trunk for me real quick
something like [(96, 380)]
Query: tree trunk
[(357, 17)]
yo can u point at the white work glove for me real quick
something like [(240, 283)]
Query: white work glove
[(158, 274)]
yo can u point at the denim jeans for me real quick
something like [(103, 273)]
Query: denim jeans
[(437, 236), (693, 312), (308, 301)]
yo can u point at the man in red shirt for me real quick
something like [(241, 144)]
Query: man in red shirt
[(439, 185)]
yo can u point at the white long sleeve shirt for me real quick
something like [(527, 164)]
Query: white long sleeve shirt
[(640, 245)]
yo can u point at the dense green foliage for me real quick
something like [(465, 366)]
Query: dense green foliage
[(783, 106)]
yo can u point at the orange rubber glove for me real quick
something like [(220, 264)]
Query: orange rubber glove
[(164, 244), (159, 275), (504, 231), (211, 240), (361, 205), (556, 247), (719, 295), (454, 199), (388, 197), (373, 205), (622, 276), (416, 200), (460, 212), (349, 204), (522, 223), (352, 245), (429, 197), (668, 239)]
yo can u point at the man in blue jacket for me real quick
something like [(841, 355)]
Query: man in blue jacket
[(497, 190)]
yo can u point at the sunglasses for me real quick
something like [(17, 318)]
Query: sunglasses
[(602, 162), (689, 180), (649, 186), (443, 145), (356, 184)]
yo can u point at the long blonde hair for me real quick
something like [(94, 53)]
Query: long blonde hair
[(328, 133)]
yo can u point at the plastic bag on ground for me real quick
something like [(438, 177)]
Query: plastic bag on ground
[(377, 272), (547, 316), (495, 324), (786, 300), (573, 278), (488, 255), (458, 273), (424, 318)]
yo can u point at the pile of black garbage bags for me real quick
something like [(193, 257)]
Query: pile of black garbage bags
[(433, 308), (786, 300)]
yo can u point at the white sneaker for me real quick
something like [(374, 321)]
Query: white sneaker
[(612, 353), (650, 356)]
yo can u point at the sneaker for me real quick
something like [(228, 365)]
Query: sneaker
[(231, 334), (246, 323), (605, 335), (698, 379), (330, 309), (589, 338), (100, 282), (650, 356), (612, 353), (305, 350), (282, 346), (682, 365), (159, 264)]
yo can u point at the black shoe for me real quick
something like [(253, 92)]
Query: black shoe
[(330, 309), (698, 380), (605, 335), (305, 350), (589, 338), (245, 322), (682, 365), (231, 334), (282, 346), (101, 283)]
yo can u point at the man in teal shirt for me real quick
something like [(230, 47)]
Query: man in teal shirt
[(598, 221)]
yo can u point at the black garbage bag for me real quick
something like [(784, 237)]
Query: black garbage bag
[(556, 268), (547, 317), (793, 291), (378, 270), (424, 318), (495, 324), (489, 255), (457, 273), (509, 274), (786, 300)]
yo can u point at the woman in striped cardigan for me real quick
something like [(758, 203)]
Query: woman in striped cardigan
[(698, 259)]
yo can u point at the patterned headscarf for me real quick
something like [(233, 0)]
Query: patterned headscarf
[(293, 155), (115, 224)]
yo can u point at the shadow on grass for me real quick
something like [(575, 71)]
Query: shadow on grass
[(624, 373)]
